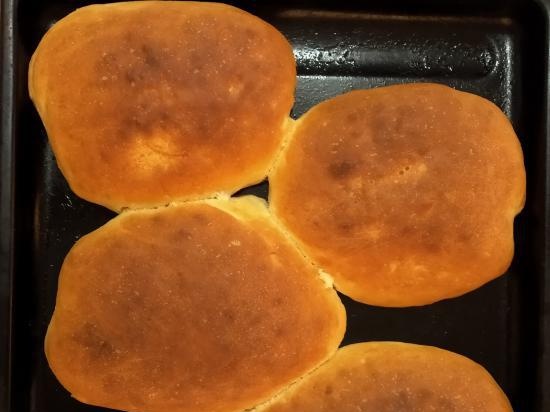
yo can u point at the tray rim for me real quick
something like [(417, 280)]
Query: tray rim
[(543, 365), (7, 196), (8, 87)]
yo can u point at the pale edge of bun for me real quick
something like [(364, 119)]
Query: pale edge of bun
[(280, 158), (245, 209)]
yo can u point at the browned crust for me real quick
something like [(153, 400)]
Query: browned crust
[(394, 377), (405, 194), (149, 102), (203, 306)]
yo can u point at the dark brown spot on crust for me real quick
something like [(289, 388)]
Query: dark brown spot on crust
[(464, 237), (447, 405), (432, 244), (352, 117), (150, 58), (345, 228), (182, 283), (423, 208), (182, 234), (278, 301), (134, 75), (341, 170), (424, 394), (96, 345), (229, 315), (280, 331), (250, 34), (199, 218)]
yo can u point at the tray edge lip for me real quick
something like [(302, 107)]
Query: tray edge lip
[(7, 185), (543, 356)]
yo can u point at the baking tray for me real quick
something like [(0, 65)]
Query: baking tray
[(497, 49)]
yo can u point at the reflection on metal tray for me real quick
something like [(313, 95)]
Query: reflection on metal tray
[(497, 49)]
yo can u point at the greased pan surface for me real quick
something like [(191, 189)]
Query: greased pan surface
[(497, 49)]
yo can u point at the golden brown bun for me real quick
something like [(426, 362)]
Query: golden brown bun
[(394, 377), (148, 102), (203, 306), (406, 194)]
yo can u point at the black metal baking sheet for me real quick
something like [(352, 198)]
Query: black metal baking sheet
[(498, 49)]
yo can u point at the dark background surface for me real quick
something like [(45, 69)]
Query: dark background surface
[(496, 49)]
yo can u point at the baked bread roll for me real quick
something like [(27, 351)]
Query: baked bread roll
[(147, 102), (394, 377), (405, 194), (203, 306)]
